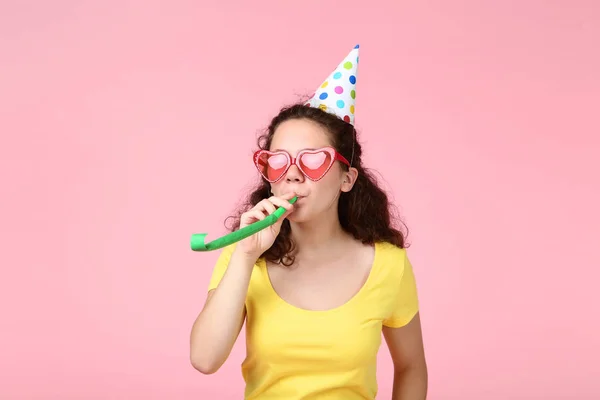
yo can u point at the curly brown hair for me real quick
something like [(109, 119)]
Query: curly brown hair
[(365, 211)]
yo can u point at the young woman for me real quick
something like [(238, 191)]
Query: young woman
[(319, 288)]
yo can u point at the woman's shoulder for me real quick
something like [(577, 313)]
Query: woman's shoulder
[(390, 250), (391, 258)]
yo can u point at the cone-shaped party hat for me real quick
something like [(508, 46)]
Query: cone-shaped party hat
[(337, 94)]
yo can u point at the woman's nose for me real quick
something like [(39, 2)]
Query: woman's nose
[(294, 174)]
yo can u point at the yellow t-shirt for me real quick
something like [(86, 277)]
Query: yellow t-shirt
[(292, 353)]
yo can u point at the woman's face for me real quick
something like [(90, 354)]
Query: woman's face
[(314, 197)]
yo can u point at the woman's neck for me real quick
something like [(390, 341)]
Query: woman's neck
[(319, 237)]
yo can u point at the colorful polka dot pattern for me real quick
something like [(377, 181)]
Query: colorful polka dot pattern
[(337, 94)]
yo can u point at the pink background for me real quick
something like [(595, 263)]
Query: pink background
[(482, 116)]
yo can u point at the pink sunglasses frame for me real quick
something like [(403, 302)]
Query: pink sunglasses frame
[(335, 156)]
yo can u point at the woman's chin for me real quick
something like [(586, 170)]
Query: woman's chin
[(299, 215), (295, 217)]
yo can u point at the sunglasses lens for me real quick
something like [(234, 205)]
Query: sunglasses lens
[(272, 166), (315, 165)]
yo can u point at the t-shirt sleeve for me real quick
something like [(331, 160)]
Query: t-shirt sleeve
[(220, 267), (407, 301)]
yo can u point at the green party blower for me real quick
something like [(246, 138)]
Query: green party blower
[(198, 244)]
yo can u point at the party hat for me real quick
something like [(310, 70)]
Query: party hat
[(337, 94)]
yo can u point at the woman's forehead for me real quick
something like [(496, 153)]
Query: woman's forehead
[(296, 135)]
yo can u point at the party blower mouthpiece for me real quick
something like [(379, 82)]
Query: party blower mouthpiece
[(197, 241)]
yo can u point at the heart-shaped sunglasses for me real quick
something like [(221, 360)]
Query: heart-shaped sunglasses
[(314, 164)]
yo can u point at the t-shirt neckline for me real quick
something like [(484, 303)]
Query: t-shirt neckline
[(348, 303)]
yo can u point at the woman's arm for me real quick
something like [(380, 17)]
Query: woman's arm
[(408, 356), (219, 323)]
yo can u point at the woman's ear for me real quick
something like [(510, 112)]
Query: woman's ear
[(349, 179)]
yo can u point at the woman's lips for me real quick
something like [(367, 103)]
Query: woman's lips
[(300, 198)]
